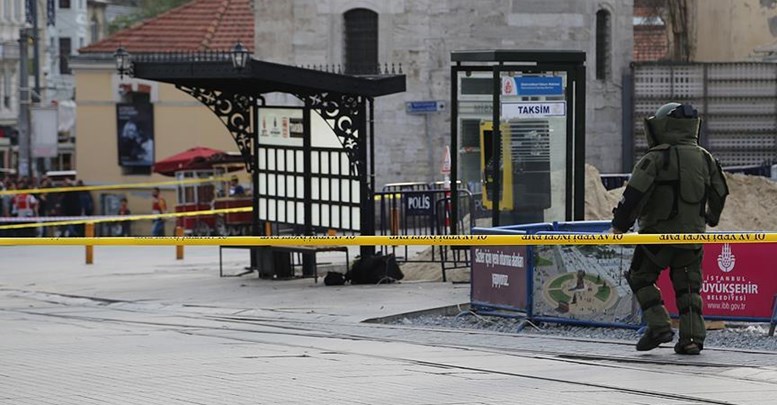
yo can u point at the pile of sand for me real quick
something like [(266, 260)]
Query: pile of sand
[(598, 201), (420, 270), (750, 206)]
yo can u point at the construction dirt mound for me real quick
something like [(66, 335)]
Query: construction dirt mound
[(750, 205)]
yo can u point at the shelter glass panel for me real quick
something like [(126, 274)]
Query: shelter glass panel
[(474, 108), (533, 118), (533, 149)]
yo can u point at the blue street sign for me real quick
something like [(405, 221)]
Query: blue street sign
[(424, 107), (538, 86)]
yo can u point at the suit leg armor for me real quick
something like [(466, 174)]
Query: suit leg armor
[(642, 277), (686, 280)]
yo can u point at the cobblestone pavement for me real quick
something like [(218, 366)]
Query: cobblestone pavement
[(139, 328)]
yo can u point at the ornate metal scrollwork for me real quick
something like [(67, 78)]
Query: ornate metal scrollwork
[(342, 113), (236, 112)]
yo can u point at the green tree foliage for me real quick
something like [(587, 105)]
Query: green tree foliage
[(147, 9)]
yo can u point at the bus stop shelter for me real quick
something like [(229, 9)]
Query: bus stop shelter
[(296, 181)]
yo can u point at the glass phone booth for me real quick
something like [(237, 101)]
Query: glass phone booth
[(530, 167)]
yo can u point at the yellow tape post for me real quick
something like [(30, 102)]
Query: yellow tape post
[(447, 240), (129, 218), (112, 186)]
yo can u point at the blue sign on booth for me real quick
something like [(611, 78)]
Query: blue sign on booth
[(539, 86)]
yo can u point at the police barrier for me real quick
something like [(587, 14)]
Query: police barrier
[(584, 284), (420, 209)]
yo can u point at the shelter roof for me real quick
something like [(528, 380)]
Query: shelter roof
[(518, 55), (213, 70), (195, 26)]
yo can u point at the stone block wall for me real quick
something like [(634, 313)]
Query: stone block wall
[(420, 34)]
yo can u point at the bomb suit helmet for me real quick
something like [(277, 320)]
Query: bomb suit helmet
[(673, 124)]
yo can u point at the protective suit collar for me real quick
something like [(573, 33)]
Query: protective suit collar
[(672, 131)]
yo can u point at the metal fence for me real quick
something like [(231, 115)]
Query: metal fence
[(737, 102), (420, 209)]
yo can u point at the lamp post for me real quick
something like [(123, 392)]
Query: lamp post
[(123, 62), (239, 56), (25, 147)]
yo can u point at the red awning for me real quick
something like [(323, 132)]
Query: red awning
[(196, 158)]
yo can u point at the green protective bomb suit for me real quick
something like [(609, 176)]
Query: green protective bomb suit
[(677, 187)]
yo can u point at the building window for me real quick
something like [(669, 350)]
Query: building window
[(66, 161), (64, 3), (94, 28), (7, 90), (603, 44), (361, 41), (3, 90), (65, 47)]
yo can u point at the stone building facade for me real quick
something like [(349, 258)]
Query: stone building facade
[(11, 20), (420, 34)]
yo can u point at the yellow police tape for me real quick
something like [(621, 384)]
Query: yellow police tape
[(112, 186), (129, 218), (447, 240)]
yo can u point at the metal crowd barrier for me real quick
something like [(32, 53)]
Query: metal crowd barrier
[(418, 209)]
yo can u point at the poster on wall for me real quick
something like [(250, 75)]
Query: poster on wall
[(584, 283), (280, 126), (135, 137)]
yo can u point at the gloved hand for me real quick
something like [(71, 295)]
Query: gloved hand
[(710, 221)]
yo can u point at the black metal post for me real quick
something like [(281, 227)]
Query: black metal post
[(308, 260), (704, 138), (454, 106), (366, 191), (579, 199), (573, 81), (307, 168), (371, 140), (255, 228), (496, 147), (627, 106)]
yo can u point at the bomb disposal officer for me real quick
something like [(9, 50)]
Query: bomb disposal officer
[(677, 187)]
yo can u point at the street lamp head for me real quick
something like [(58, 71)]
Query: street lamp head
[(123, 62), (239, 56)]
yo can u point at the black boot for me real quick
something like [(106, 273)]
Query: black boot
[(688, 347), (650, 340)]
